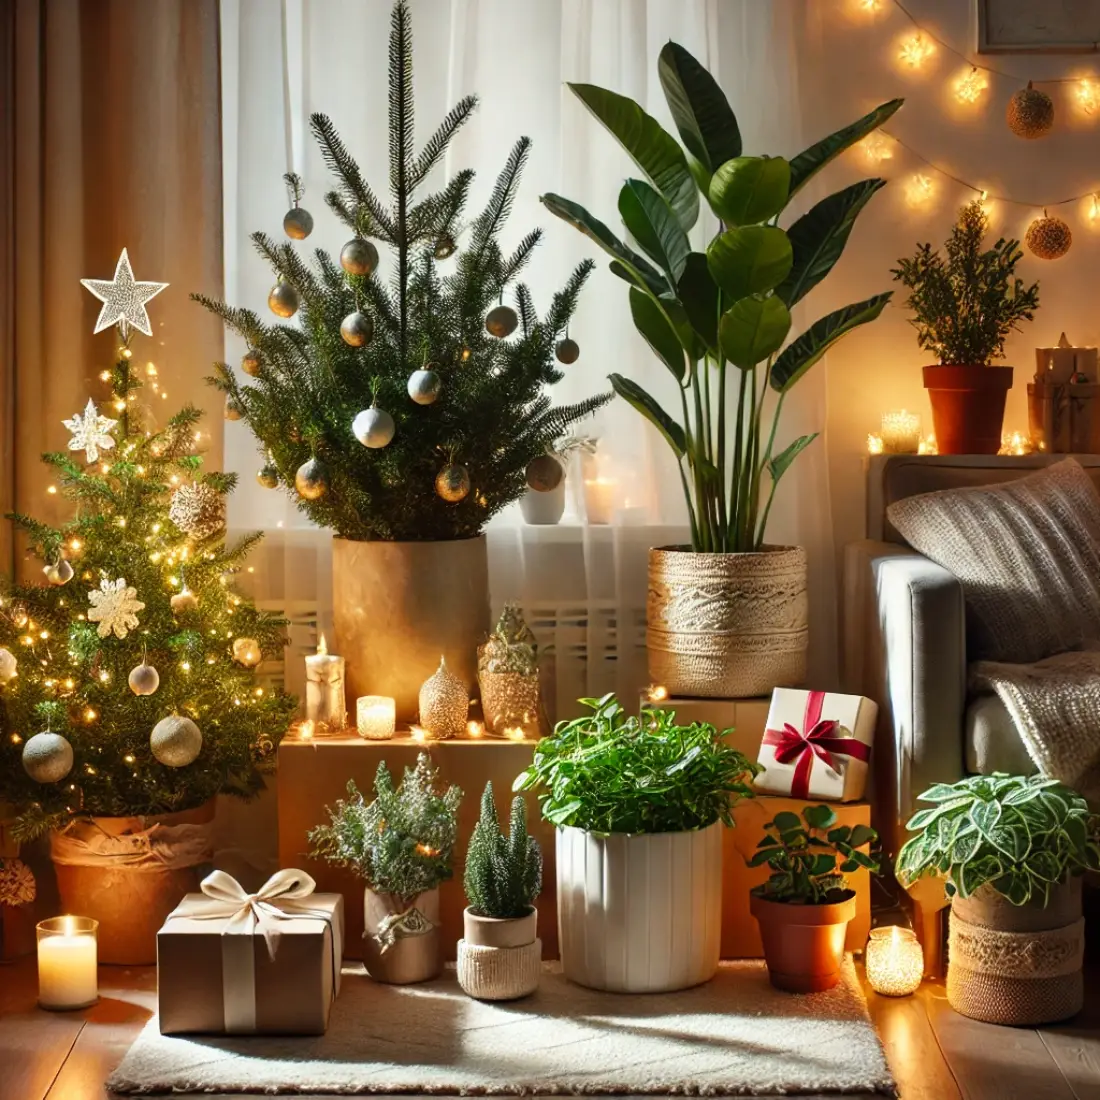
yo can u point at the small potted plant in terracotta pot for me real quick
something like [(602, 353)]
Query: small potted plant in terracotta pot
[(964, 306), (804, 907), (402, 845), (500, 955)]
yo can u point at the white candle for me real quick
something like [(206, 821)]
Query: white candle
[(599, 499), (325, 704), (894, 961), (901, 432), (375, 717), (67, 962)]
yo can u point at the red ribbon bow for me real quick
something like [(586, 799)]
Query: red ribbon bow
[(816, 738)]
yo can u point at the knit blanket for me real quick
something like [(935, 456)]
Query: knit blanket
[(1055, 705)]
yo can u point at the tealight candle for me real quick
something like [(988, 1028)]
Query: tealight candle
[(894, 961), (375, 717), (325, 703), (67, 963), (900, 432)]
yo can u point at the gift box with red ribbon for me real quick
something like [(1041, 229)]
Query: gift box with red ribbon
[(817, 745)]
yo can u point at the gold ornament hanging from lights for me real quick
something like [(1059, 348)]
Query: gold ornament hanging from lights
[(1048, 238), (1030, 113), (452, 483)]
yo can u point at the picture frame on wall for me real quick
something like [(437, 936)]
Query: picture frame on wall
[(1038, 26)]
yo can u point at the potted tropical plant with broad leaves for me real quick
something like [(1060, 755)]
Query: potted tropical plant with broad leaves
[(402, 845), (1011, 851), (719, 320), (804, 907), (500, 954), (965, 304), (644, 799)]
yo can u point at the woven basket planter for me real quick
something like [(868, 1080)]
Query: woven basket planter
[(727, 625), (498, 959), (1017, 965)]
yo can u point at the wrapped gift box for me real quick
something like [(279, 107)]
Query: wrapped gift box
[(817, 745), (231, 965)]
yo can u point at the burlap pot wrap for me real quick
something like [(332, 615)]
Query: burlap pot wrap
[(727, 625), (499, 973)]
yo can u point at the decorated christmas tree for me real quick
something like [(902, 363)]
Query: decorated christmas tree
[(127, 677), (407, 400)]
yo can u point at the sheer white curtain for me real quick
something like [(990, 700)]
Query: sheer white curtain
[(582, 586)]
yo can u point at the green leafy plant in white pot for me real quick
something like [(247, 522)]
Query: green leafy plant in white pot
[(639, 804), (1011, 851), (720, 320)]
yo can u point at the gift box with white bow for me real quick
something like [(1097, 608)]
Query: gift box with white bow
[(817, 745), (238, 963)]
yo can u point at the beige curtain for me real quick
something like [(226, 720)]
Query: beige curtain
[(110, 137)]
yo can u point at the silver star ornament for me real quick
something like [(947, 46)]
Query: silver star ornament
[(90, 432), (123, 299)]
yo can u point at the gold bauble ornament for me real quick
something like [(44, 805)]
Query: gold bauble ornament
[(359, 256), (247, 652), (544, 474), (267, 476), (197, 510), (61, 572), (283, 300), (567, 351), (357, 329), (47, 757), (1030, 113), (184, 601), (444, 246), (143, 679), (297, 223), (501, 321), (1048, 238), (233, 409), (252, 362), (9, 666), (444, 703), (175, 741), (311, 479), (452, 483)]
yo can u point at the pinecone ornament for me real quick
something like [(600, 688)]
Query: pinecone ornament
[(197, 510), (1048, 238), (1030, 113)]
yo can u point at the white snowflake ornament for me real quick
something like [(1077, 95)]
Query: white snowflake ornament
[(123, 299), (114, 606), (90, 432)]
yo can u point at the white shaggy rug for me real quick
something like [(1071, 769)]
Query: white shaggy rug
[(736, 1035)]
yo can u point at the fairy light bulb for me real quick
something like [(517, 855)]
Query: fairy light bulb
[(970, 86), (915, 50), (1088, 95), (919, 189), (877, 147)]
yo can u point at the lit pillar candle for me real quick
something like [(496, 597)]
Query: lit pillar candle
[(67, 962), (599, 499), (894, 960), (900, 432), (375, 717), (325, 703)]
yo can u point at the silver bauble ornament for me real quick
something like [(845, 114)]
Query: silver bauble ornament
[(233, 409), (444, 247), (424, 386), (9, 666), (357, 329), (60, 573), (297, 223), (501, 322), (567, 351), (47, 757), (544, 474), (452, 483), (184, 601), (283, 300), (311, 480), (373, 427), (247, 652), (197, 510), (267, 476), (252, 362), (359, 256), (175, 741), (143, 679)]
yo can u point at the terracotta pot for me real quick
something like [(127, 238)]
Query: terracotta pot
[(727, 625), (499, 959), (803, 944), (410, 958), (968, 407), (132, 900), (399, 606), (639, 914), (543, 509)]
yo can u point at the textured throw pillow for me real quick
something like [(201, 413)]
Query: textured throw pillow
[(1027, 554)]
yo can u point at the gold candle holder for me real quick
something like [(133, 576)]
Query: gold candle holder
[(894, 961), (900, 432), (375, 717)]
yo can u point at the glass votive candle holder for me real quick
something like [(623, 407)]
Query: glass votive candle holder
[(894, 961), (900, 432), (67, 959), (375, 717)]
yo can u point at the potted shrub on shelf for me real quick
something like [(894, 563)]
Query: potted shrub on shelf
[(1011, 851), (402, 846), (804, 907), (965, 304), (719, 320), (500, 955), (639, 805)]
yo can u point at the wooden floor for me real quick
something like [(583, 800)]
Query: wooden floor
[(935, 1054)]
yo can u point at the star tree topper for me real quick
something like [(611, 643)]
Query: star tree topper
[(90, 432), (123, 299)]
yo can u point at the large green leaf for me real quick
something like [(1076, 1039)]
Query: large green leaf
[(800, 355), (703, 117), (752, 329), (651, 222), (657, 289), (779, 465), (986, 815), (750, 259), (653, 150), (700, 297), (819, 236), (748, 190), (810, 161), (647, 405), (658, 333)]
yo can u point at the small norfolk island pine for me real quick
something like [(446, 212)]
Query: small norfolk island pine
[(503, 873)]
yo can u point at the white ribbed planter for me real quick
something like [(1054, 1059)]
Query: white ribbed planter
[(640, 914)]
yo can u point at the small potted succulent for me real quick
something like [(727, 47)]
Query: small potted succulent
[(804, 907), (639, 804), (500, 955), (544, 502), (964, 306), (1011, 851), (402, 845)]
